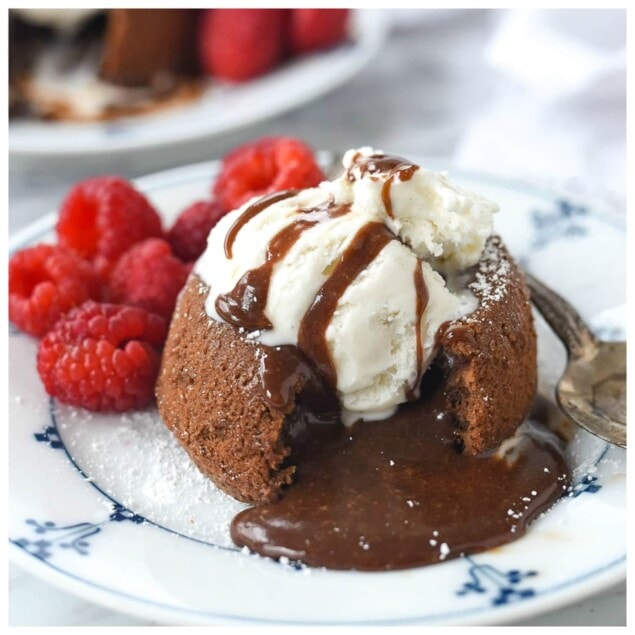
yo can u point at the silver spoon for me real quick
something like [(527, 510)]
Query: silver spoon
[(592, 389)]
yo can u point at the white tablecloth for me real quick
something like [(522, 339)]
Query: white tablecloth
[(535, 95)]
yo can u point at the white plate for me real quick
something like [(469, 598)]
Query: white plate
[(109, 507), (221, 108)]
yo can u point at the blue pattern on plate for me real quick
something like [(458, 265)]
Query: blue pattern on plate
[(73, 537), (587, 485), (50, 436), (559, 222), (502, 586), (610, 333)]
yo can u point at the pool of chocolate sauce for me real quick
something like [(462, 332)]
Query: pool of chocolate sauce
[(398, 493)]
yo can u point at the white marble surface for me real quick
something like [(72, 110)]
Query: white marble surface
[(436, 91)]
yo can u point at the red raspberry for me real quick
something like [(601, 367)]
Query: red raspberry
[(149, 276), (316, 29), (188, 235), (269, 165), (102, 357), (45, 282), (101, 218), (238, 44)]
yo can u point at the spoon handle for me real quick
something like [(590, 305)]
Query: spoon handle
[(562, 317)]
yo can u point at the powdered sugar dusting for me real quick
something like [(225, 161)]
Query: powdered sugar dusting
[(492, 279), (134, 458)]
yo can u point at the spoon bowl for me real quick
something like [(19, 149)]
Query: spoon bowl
[(592, 392), (592, 389)]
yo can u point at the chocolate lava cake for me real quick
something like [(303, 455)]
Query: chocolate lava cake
[(212, 390), (144, 57)]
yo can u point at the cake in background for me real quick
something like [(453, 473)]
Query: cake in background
[(94, 64)]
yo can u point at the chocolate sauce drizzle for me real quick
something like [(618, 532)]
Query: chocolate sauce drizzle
[(452, 332), (244, 306), (251, 212), (422, 296), (360, 252), (289, 380), (394, 168)]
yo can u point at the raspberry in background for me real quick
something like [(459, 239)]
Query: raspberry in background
[(102, 357), (317, 29), (188, 235), (269, 165), (46, 281), (103, 217), (148, 275), (239, 44)]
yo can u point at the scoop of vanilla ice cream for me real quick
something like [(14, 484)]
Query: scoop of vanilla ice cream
[(374, 332), (441, 222), (63, 20)]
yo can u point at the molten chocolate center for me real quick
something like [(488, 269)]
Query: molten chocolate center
[(397, 493)]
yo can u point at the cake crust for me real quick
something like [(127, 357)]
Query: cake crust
[(140, 45), (489, 357), (210, 395)]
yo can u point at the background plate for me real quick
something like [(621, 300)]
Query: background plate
[(219, 110)]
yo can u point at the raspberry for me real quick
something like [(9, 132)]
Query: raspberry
[(102, 357), (238, 44), (269, 165), (101, 218), (149, 276), (188, 235), (316, 29), (45, 282)]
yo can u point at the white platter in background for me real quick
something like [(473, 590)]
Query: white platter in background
[(220, 109)]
